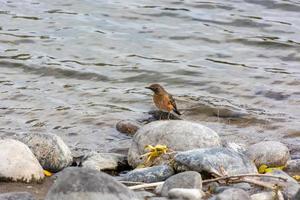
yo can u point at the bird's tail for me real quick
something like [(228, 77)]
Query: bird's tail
[(177, 112)]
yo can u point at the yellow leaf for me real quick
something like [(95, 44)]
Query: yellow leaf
[(296, 177), (265, 169), (262, 169), (47, 173)]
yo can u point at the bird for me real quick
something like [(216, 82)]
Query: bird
[(163, 100)]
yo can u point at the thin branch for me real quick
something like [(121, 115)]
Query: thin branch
[(241, 176), (145, 185)]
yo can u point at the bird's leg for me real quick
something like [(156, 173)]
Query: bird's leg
[(160, 115), (169, 115)]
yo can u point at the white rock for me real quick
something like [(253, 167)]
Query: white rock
[(185, 194), (178, 135), (270, 153), (17, 162)]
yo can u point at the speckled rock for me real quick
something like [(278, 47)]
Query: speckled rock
[(185, 194), (128, 127), (178, 135), (17, 162), (232, 194), (80, 183), (50, 150), (218, 161), (270, 153), (293, 166), (105, 161), (16, 196), (150, 174), (188, 180)]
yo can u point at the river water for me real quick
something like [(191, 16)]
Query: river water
[(76, 67)]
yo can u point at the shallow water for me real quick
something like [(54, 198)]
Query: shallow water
[(76, 67)]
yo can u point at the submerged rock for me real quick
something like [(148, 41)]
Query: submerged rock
[(188, 180), (16, 196), (185, 194), (80, 183), (50, 150), (128, 127), (150, 174), (18, 162), (270, 153), (105, 161), (232, 194), (219, 161), (177, 135)]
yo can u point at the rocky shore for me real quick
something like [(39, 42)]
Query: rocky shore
[(168, 159)]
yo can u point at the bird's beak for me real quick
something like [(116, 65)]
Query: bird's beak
[(148, 88)]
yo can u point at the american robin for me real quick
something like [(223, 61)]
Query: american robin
[(163, 100)]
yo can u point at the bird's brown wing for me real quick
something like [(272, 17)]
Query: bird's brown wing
[(173, 103)]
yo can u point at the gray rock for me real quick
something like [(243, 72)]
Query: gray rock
[(290, 188), (293, 166), (178, 135), (128, 127), (270, 153), (18, 162), (232, 194), (105, 161), (50, 150), (263, 196), (297, 196), (80, 183), (150, 174), (188, 180), (240, 148), (16, 196), (185, 194), (218, 161), (243, 186), (143, 194)]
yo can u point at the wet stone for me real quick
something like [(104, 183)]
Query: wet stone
[(188, 180), (217, 161), (128, 127), (105, 161), (177, 135), (16, 196), (18, 162), (80, 183), (270, 153), (150, 174), (50, 150), (263, 196)]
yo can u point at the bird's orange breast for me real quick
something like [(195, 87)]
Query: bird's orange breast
[(162, 102)]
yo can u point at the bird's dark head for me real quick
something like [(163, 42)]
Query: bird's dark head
[(156, 88)]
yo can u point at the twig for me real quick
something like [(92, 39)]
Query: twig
[(145, 185), (241, 176), (131, 182)]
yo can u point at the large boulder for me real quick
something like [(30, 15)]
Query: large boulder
[(18, 162), (218, 161), (81, 183), (187, 180), (150, 174), (105, 161), (178, 135), (50, 150), (270, 153)]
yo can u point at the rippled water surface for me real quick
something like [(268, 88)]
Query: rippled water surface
[(76, 67)]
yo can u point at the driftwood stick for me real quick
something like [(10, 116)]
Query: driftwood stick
[(241, 176), (145, 185), (235, 178)]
